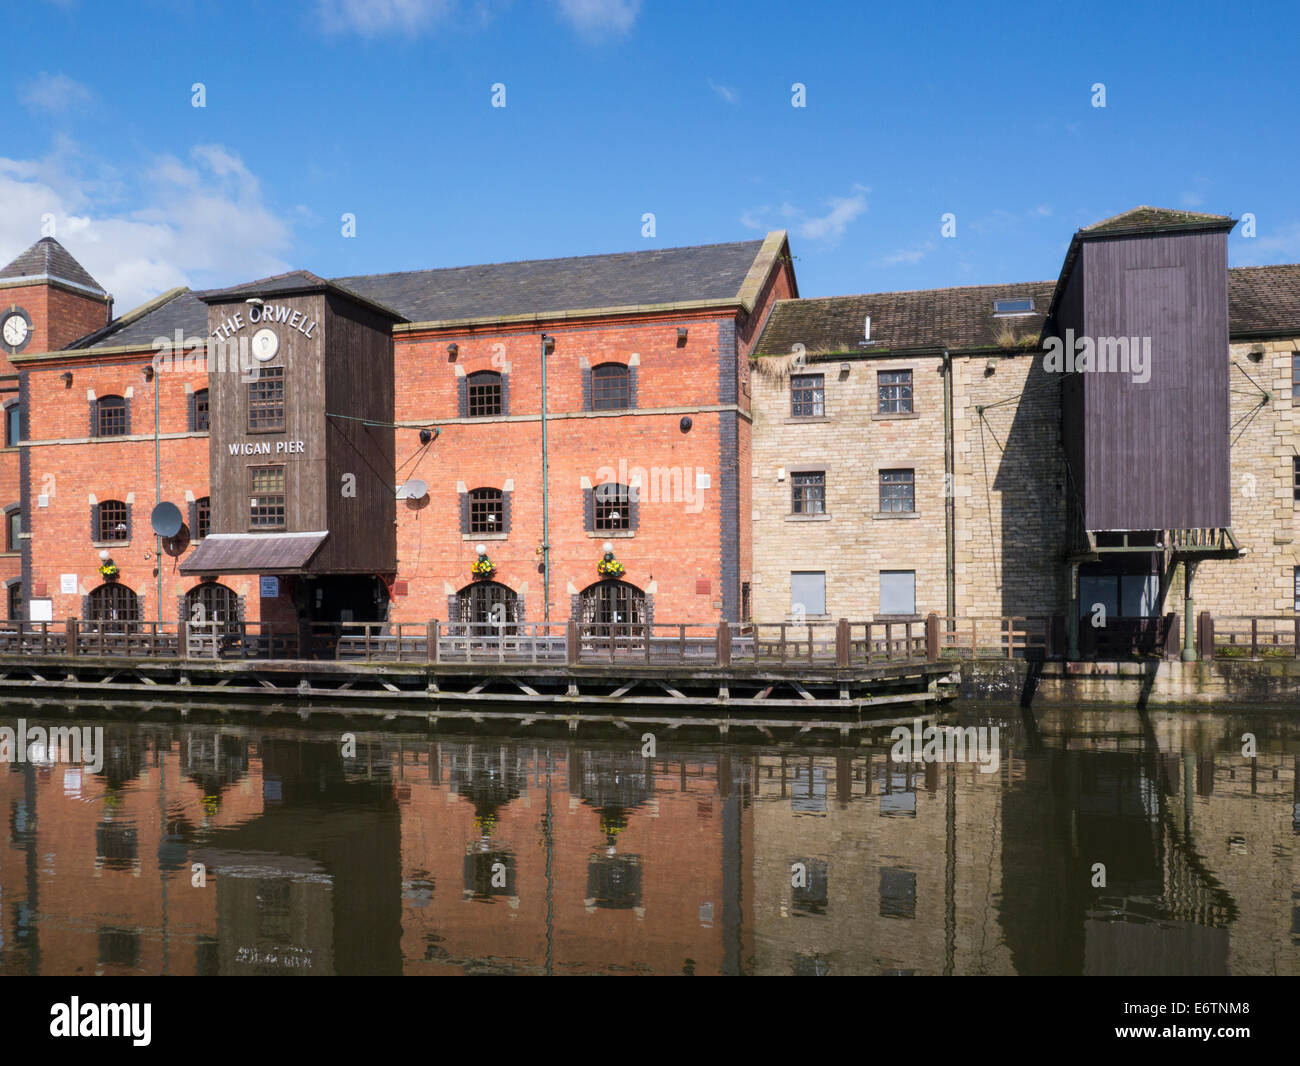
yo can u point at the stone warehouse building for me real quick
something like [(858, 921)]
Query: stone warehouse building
[(350, 449), (922, 451)]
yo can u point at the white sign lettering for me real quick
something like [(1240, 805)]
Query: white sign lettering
[(266, 447)]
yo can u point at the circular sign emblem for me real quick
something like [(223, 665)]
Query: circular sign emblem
[(265, 344)]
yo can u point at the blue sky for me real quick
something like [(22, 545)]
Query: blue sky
[(616, 108)]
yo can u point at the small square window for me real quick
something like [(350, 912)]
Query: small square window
[(897, 491), (807, 395), (895, 388), (486, 511), (113, 521), (483, 394)]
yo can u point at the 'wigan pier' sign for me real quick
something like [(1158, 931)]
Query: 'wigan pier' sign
[(268, 313), (266, 447)]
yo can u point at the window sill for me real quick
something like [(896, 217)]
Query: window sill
[(792, 620), (886, 515), (793, 421), (111, 543), (484, 536), (610, 534), (808, 517), (10, 553), (889, 416)]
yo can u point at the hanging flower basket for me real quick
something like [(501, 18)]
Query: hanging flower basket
[(610, 567), (109, 572), (483, 567)]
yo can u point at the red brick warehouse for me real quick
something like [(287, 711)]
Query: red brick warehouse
[(647, 429)]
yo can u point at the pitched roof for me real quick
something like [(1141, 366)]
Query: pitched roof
[(955, 318), (48, 259), (539, 286), (290, 284), (1261, 300), (1264, 299), (1154, 218)]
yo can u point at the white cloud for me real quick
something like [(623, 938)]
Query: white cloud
[(909, 256), (600, 18), (56, 93), (371, 18), (198, 222), (830, 227), (725, 91), (1276, 245)]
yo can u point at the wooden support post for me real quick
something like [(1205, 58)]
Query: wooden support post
[(72, 636), (842, 643), (571, 642), (1205, 634), (1296, 651), (1172, 637), (1254, 638), (932, 638), (724, 645)]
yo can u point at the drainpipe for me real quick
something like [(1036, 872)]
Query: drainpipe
[(546, 494), (950, 491)]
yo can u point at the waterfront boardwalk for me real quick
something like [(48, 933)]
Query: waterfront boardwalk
[(817, 666)]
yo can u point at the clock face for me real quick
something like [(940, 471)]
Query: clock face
[(265, 344), (15, 330)]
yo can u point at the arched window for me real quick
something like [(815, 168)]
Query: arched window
[(111, 417), (201, 517), (211, 602), (483, 394), (613, 603), (485, 603), (486, 511), (13, 529), (15, 596), (611, 387), (13, 425), (112, 602)]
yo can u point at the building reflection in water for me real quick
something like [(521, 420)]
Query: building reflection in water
[(484, 854)]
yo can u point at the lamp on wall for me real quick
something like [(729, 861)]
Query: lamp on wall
[(148, 373), (453, 350), (67, 379), (681, 336)]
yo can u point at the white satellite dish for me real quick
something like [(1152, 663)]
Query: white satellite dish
[(415, 489)]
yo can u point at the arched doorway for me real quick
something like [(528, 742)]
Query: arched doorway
[(614, 610), (114, 603), (212, 602), (489, 603)]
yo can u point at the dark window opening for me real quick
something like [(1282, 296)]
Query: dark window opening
[(613, 507), (112, 602), (610, 387), (14, 531), (111, 416), (13, 425), (486, 511), (484, 394), (16, 602), (266, 400), (201, 410), (113, 521), (202, 517)]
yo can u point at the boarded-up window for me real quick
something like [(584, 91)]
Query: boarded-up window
[(898, 592), (808, 592)]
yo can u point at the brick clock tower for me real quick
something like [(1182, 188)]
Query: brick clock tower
[(47, 301)]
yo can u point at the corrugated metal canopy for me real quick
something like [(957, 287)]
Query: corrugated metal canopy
[(253, 553)]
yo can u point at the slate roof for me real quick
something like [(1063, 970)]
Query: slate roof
[(49, 259), (537, 286), (253, 553), (1264, 299), (955, 318), (292, 283), (625, 279)]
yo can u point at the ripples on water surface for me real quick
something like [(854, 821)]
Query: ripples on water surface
[(483, 854)]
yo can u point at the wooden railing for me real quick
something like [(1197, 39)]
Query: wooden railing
[(1250, 636), (995, 637)]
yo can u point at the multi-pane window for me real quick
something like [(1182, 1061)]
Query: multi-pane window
[(266, 497), (202, 517), (1295, 379), (483, 394), (15, 524), (613, 507), (897, 490), (610, 387), (113, 523), (266, 400), (486, 511), (895, 387), (1295, 476), (13, 430), (110, 416), (808, 493), (201, 410), (807, 395)]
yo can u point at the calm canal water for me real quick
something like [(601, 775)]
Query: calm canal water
[(484, 854)]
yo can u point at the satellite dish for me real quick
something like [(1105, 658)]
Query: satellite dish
[(176, 545), (166, 520), (415, 489)]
